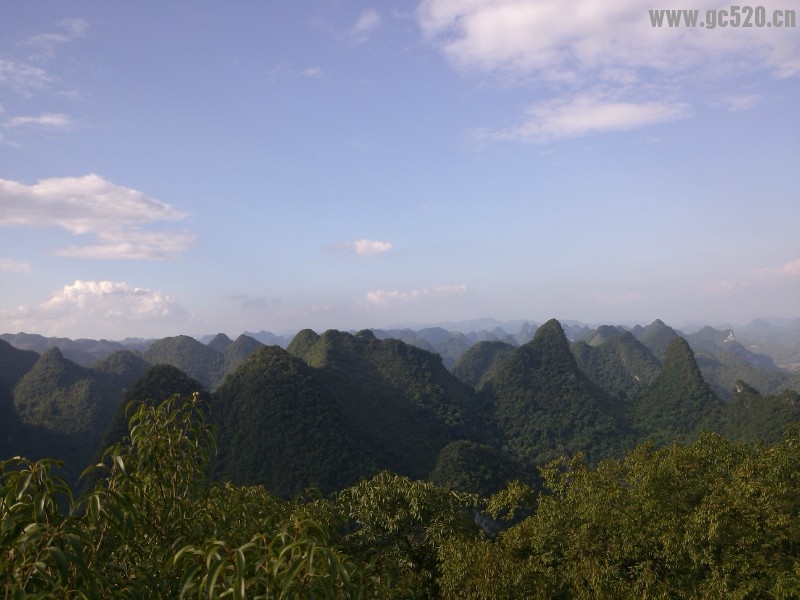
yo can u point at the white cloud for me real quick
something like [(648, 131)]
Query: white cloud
[(22, 77), (52, 120), (569, 49), (765, 276), (363, 247), (91, 205), (785, 271), (136, 245), (97, 308), (314, 72), (546, 37), (110, 299), (368, 21), (385, 297), (71, 29), (582, 115), (26, 75), (8, 265), (742, 102)]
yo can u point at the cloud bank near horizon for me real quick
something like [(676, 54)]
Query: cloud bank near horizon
[(113, 304), (116, 217)]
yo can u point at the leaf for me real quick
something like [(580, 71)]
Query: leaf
[(22, 483), (61, 562), (294, 567), (213, 575)]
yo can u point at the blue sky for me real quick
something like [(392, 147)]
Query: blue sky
[(195, 167)]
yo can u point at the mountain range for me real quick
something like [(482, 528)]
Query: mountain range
[(472, 410)]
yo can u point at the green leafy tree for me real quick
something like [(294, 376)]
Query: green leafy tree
[(401, 526), (714, 519), (43, 552)]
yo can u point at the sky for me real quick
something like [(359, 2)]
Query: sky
[(194, 167)]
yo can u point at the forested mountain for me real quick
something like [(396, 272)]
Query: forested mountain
[(219, 342), (197, 360), (14, 363), (14, 438), (602, 334), (62, 396), (124, 365), (239, 349), (779, 340), (723, 369), (280, 425), (753, 417), (715, 341), (655, 336), (619, 363), (710, 519), (270, 339), (724, 361), (450, 345), (208, 364), (383, 403), (476, 468), (66, 408), (154, 385), (679, 404), (479, 362), (400, 398), (545, 406), (84, 352)]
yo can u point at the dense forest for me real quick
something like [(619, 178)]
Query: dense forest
[(712, 519), (611, 463)]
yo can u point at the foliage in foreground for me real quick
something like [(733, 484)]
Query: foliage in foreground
[(710, 520), (713, 519)]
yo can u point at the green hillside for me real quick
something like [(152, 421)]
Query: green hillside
[(124, 365), (479, 362), (656, 337), (66, 408), (620, 364), (400, 397), (280, 426), (238, 350), (753, 417), (468, 466), (190, 356), (724, 368), (154, 385), (14, 363), (545, 406), (62, 396), (340, 406), (679, 404), (14, 435), (219, 342)]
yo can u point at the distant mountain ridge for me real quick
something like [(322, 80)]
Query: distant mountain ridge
[(766, 340), (333, 407)]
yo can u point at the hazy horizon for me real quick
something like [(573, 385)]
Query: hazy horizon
[(510, 327), (203, 167)]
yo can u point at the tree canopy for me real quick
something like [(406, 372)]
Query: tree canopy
[(713, 519)]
